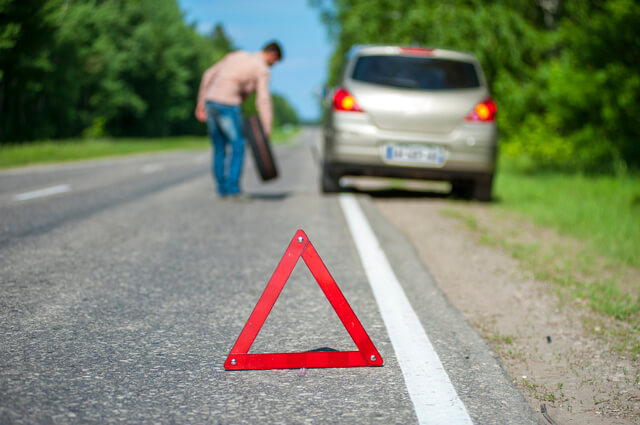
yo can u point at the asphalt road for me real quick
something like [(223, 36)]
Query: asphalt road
[(126, 283)]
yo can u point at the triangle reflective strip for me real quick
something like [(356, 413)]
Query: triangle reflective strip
[(240, 359)]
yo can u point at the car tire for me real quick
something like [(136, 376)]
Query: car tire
[(462, 189), (482, 188), (330, 182)]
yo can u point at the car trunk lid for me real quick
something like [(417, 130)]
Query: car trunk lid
[(417, 111), (415, 90)]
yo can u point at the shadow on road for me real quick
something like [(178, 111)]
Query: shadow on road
[(400, 193), (279, 196), (397, 193), (412, 194), (321, 350)]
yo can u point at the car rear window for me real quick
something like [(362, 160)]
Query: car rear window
[(419, 73)]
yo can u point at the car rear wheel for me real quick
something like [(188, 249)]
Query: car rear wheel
[(330, 182), (461, 189), (482, 188), (479, 188)]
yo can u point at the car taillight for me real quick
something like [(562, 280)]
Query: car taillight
[(420, 51), (343, 101), (483, 111)]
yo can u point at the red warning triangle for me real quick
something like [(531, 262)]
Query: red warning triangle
[(240, 359)]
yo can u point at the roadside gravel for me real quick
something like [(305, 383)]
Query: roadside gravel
[(545, 344)]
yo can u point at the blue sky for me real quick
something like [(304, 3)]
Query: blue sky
[(297, 26)]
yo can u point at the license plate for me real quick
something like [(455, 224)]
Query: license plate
[(417, 154)]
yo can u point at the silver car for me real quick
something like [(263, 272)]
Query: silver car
[(411, 112)]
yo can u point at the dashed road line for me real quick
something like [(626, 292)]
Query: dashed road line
[(152, 168), (47, 191), (434, 398)]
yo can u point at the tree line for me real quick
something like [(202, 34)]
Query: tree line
[(565, 74), (94, 68)]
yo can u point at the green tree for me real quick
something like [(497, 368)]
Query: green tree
[(98, 67), (27, 33), (219, 40), (283, 112), (564, 74), (139, 63), (589, 92)]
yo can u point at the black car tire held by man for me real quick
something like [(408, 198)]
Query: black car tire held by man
[(261, 148)]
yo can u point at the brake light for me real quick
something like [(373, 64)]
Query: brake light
[(483, 111), (416, 51), (343, 101)]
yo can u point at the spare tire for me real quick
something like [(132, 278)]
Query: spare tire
[(260, 146)]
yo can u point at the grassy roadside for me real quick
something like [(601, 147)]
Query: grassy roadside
[(603, 210), (603, 214), (579, 233), (73, 150)]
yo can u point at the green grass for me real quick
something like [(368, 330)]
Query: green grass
[(71, 150), (598, 264), (602, 210), (17, 155)]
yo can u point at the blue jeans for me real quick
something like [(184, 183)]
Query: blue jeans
[(225, 130)]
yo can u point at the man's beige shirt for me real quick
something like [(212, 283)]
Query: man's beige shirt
[(234, 78)]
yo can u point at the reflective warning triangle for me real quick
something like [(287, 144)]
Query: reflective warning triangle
[(240, 359)]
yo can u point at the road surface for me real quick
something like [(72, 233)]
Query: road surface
[(125, 283)]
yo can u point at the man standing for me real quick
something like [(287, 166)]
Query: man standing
[(223, 88)]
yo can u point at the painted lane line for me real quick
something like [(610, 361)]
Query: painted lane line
[(434, 398), (47, 191), (152, 168)]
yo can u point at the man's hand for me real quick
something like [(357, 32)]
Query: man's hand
[(201, 113)]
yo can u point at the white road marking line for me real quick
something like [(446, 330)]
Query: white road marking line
[(152, 168), (53, 190), (434, 398)]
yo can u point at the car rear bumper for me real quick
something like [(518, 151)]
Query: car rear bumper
[(338, 169), (356, 147)]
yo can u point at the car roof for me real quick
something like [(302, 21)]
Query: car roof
[(378, 49)]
